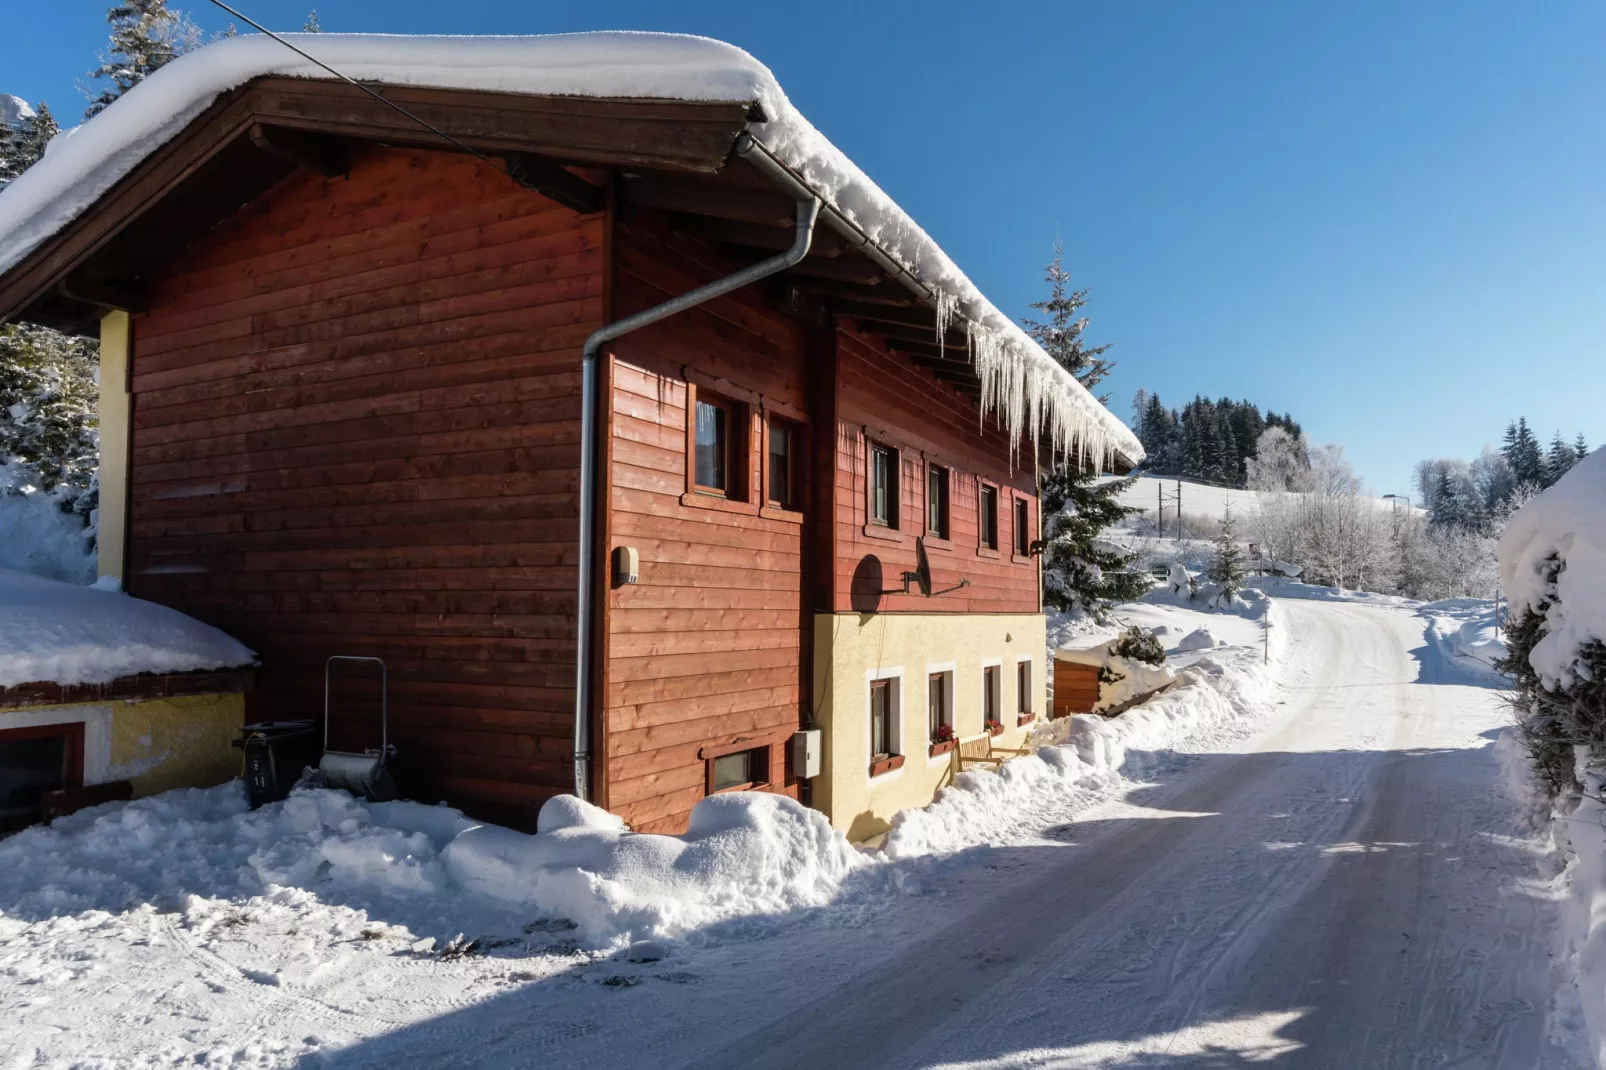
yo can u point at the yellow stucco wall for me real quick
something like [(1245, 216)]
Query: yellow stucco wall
[(156, 744), (851, 649), (114, 409)]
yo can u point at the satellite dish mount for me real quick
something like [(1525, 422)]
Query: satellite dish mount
[(921, 576)]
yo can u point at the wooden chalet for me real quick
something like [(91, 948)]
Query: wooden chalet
[(342, 414)]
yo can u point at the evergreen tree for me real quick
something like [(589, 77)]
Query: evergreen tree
[(1226, 568), (1580, 448), (146, 36), (1522, 451), (311, 25), (23, 144), (48, 400), (1078, 572), (1559, 459), (1061, 336)]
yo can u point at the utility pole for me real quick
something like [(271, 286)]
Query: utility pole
[(1179, 508), (1159, 504)]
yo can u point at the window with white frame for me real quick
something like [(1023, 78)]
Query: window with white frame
[(1024, 702), (886, 707), (992, 693)]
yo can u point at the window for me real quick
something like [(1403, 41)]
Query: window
[(937, 501), (939, 704), (743, 769), (785, 444), (883, 718), (1023, 687), (990, 696), (989, 517), (713, 438), (34, 761), (1023, 536), (883, 486)]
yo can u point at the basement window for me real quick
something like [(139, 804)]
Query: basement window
[(739, 771), (36, 760)]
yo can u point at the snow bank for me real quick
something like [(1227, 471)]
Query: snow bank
[(38, 538), (1465, 628), (1198, 639), (745, 853), (1020, 382), (58, 632), (1081, 759), (1568, 523)]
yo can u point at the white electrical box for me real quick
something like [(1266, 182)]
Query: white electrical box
[(626, 565), (806, 753)]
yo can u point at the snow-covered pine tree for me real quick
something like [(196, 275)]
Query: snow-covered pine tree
[(1580, 447), (23, 143), (47, 414), (311, 25), (1079, 571), (1061, 335), (146, 36), (1227, 568)]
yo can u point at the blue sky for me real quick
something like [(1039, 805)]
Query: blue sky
[(1386, 219)]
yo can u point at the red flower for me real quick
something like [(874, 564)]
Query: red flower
[(945, 732)]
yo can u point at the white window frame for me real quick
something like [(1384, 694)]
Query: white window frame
[(1027, 659), (981, 709), (895, 674), (97, 722)]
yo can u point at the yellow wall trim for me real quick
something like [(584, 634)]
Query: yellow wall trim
[(116, 332)]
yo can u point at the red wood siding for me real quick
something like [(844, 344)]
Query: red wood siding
[(356, 428), (705, 650), (885, 397)]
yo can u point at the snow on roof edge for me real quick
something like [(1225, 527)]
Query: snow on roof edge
[(1021, 384)]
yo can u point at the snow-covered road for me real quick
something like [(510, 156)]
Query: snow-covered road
[(1340, 893)]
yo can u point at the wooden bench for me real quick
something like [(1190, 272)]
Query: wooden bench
[(979, 749)]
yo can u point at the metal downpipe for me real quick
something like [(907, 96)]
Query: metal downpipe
[(808, 211)]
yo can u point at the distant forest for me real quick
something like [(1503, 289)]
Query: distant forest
[(1205, 440)]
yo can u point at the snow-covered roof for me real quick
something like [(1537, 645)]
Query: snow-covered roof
[(65, 634), (1030, 392)]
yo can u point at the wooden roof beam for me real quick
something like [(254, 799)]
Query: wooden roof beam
[(304, 148), (554, 182)]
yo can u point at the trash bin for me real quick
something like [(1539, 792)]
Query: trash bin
[(275, 754)]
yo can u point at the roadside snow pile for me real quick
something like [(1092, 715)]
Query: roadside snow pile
[(1553, 562), (38, 538), (1020, 382), (66, 634), (1465, 628), (1198, 639), (1123, 680), (745, 853), (1079, 760)]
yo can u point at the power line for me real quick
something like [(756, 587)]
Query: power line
[(437, 131)]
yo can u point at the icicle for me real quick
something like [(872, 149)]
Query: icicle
[(947, 309)]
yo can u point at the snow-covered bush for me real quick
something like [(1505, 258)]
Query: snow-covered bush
[(1141, 645), (1553, 570)]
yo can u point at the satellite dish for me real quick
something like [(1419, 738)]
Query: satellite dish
[(922, 567)]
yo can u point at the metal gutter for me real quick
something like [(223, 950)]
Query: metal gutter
[(808, 211)]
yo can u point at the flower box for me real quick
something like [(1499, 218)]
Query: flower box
[(886, 765), (994, 728), (943, 746), (1025, 719)]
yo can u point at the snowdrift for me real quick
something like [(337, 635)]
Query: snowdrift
[(746, 854), (66, 634)]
